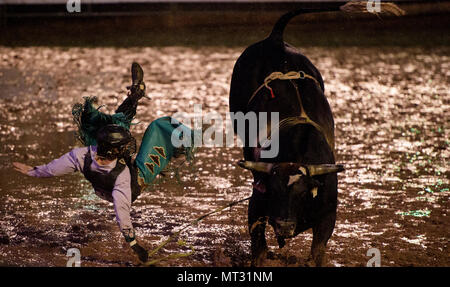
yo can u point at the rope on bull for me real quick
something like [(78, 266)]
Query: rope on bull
[(292, 75)]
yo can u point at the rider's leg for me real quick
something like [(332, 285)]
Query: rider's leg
[(89, 119), (136, 92)]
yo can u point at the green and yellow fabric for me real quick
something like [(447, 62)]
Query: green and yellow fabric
[(156, 149)]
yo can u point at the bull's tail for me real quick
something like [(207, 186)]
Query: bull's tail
[(278, 29), (350, 7)]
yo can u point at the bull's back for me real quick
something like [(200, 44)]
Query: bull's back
[(260, 60), (313, 97), (248, 74)]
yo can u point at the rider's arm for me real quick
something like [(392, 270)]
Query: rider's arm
[(122, 205), (122, 200), (65, 164)]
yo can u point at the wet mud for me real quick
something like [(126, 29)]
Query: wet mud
[(391, 109)]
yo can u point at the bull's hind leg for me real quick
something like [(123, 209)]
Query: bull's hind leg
[(321, 234), (257, 228)]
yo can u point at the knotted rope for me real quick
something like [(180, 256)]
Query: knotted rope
[(292, 75), (303, 118)]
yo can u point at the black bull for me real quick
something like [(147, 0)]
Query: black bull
[(297, 189)]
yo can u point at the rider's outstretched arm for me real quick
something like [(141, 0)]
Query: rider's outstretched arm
[(67, 163)]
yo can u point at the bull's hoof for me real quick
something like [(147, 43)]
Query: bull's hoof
[(291, 260), (281, 242), (313, 262), (309, 263), (258, 260)]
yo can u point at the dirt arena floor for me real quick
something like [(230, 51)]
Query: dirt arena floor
[(391, 107)]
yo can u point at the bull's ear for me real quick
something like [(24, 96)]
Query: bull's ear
[(319, 169), (256, 166)]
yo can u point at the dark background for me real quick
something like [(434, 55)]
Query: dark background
[(233, 23)]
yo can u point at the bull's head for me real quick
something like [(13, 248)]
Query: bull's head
[(292, 190)]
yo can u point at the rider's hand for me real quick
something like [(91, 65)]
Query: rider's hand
[(140, 252), (130, 238), (22, 168)]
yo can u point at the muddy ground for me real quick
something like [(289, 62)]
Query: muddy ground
[(390, 104)]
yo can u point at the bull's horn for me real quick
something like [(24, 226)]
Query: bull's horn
[(319, 169), (256, 166)]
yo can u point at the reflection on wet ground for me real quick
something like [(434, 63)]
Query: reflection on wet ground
[(391, 110)]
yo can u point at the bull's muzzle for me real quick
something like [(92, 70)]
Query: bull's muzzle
[(285, 228)]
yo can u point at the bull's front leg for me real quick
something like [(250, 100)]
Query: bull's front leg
[(257, 227), (321, 234)]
